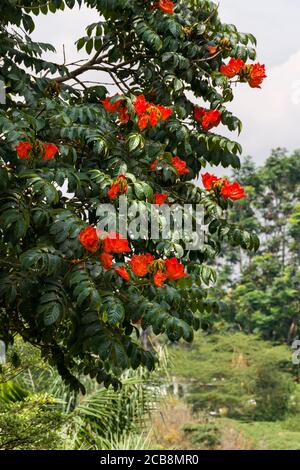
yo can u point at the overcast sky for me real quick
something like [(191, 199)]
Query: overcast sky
[(271, 116)]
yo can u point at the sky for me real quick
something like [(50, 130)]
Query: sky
[(270, 116)]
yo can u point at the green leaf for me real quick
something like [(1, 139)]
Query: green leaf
[(114, 310), (135, 141), (51, 315)]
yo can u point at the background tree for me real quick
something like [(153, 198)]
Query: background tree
[(264, 288)]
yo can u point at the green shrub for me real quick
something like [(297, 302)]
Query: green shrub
[(272, 390), (206, 434)]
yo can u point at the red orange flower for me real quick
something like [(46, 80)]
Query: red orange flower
[(233, 67), (154, 164), (254, 74), (165, 112), (208, 180), (233, 191), (167, 6), (211, 119), (208, 118), (174, 269), (180, 165), (23, 149), (50, 151), (106, 260), (228, 190), (199, 113), (89, 239), (119, 186), (118, 106), (112, 107), (159, 278), (141, 104), (149, 113), (123, 115), (122, 272), (257, 75), (139, 264), (115, 243), (160, 198)]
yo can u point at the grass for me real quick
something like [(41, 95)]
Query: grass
[(265, 435), (173, 422)]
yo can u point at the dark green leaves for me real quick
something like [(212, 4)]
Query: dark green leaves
[(52, 303), (44, 259), (65, 230), (84, 291), (41, 187), (114, 310), (14, 216), (146, 34)]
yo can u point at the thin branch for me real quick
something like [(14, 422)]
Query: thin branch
[(95, 63), (83, 68), (80, 83), (208, 58), (117, 83), (64, 54)]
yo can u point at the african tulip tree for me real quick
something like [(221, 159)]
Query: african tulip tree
[(78, 293)]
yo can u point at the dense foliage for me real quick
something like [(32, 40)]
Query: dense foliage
[(60, 290)]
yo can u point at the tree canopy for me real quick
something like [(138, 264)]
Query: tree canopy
[(68, 146)]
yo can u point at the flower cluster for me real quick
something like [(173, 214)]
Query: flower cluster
[(254, 74), (167, 6), (118, 187), (111, 242), (179, 165), (226, 189), (119, 106), (106, 243), (166, 269), (233, 67), (141, 265), (208, 118), (25, 149), (159, 269), (149, 113)]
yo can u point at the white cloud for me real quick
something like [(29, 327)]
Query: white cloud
[(64, 28), (273, 22), (271, 115)]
